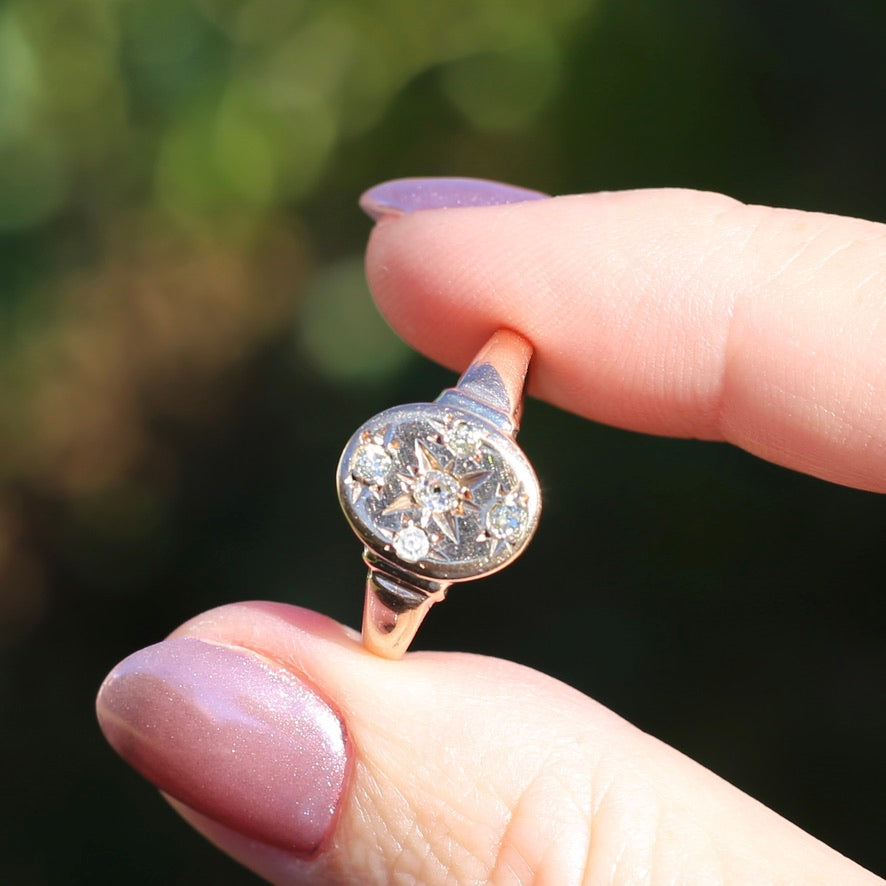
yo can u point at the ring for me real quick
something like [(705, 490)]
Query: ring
[(440, 492)]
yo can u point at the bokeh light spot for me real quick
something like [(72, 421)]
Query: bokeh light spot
[(219, 158), (252, 21), (18, 77), (32, 184), (342, 334), (501, 91), (243, 154)]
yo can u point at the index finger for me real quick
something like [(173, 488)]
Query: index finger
[(671, 312)]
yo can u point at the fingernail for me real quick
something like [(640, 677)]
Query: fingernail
[(233, 735), (412, 194)]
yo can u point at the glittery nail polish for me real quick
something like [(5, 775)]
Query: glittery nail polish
[(404, 195), (233, 735)]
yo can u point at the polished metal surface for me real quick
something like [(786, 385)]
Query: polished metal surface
[(440, 492)]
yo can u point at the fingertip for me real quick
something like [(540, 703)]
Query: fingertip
[(670, 312), (462, 767), (238, 620)]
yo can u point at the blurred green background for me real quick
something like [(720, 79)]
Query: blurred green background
[(186, 340)]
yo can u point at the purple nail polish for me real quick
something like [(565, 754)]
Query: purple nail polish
[(235, 736), (412, 194)]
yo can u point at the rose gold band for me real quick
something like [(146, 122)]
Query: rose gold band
[(491, 389)]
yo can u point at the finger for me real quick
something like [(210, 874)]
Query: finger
[(311, 761), (666, 311)]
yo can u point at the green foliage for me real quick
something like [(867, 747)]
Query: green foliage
[(183, 324)]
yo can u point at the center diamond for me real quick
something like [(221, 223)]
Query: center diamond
[(437, 491)]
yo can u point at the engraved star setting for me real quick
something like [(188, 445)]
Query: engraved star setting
[(437, 491)]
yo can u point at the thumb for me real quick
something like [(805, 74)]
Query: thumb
[(311, 761)]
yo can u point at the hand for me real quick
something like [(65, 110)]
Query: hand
[(276, 735)]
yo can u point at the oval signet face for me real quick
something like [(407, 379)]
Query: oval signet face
[(438, 491)]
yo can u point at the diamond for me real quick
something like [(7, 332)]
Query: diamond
[(411, 544), (370, 464), (506, 521), (464, 438), (437, 491)]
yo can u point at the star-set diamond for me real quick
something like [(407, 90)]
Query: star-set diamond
[(437, 491), (411, 543), (464, 438), (371, 464), (505, 521)]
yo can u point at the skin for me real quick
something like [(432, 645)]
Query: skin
[(670, 312)]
